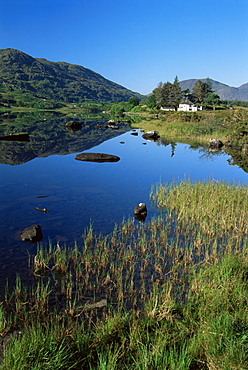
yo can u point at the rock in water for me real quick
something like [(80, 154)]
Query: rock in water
[(73, 125), (216, 143), (151, 135), (140, 212), (31, 234), (97, 157)]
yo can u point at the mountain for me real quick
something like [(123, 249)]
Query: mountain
[(65, 82), (224, 91), (58, 81)]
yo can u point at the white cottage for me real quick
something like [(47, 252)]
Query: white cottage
[(167, 109), (188, 106)]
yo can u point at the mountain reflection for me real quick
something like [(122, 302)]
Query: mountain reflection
[(50, 136)]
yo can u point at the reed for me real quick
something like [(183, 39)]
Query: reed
[(146, 295), (216, 207)]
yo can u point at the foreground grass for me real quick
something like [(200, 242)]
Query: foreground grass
[(170, 294)]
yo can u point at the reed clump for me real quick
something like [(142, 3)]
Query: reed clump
[(168, 294), (215, 207)]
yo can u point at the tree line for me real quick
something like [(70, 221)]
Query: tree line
[(169, 95)]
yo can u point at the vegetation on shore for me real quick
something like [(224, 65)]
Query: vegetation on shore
[(169, 294), (196, 128)]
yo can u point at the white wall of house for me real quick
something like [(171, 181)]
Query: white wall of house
[(162, 108), (188, 108)]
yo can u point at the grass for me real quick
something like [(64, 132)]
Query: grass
[(169, 294), (217, 207), (196, 127)]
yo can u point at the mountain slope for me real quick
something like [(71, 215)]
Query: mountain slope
[(224, 91), (56, 80)]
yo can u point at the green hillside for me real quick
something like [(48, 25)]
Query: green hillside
[(58, 81)]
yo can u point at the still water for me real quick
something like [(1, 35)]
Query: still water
[(44, 173)]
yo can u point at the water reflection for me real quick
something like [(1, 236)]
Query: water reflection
[(51, 136), (77, 193)]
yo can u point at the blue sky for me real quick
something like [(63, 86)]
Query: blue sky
[(135, 43)]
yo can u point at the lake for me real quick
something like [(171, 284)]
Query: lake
[(43, 173)]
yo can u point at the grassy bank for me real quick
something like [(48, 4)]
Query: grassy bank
[(196, 127), (169, 294)]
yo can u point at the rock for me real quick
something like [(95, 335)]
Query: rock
[(111, 124), (44, 210), (140, 212), (31, 234), (73, 126), (134, 133), (151, 135), (97, 157), (215, 143)]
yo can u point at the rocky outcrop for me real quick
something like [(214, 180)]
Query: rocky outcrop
[(32, 234), (97, 157)]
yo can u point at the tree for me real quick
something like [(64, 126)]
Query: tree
[(201, 90), (158, 92), (212, 100), (187, 95), (209, 86), (151, 101), (177, 94), (133, 101), (168, 94)]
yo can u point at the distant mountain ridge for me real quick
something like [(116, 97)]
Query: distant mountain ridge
[(59, 81), (224, 91)]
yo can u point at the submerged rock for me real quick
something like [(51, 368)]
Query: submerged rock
[(32, 234), (97, 157)]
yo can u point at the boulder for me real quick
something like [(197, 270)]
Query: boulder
[(215, 143), (140, 212), (151, 135), (97, 157), (31, 234)]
